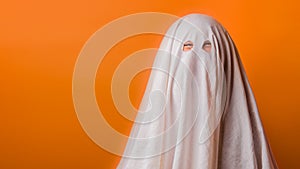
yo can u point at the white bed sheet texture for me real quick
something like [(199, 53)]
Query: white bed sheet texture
[(198, 110)]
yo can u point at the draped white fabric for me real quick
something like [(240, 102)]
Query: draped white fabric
[(198, 110)]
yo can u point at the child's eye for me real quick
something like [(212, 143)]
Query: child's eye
[(188, 45), (206, 46)]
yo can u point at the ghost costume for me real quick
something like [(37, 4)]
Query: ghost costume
[(198, 110)]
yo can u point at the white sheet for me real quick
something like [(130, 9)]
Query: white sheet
[(198, 110)]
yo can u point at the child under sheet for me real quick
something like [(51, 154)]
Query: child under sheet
[(198, 110)]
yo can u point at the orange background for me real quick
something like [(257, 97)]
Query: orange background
[(40, 41)]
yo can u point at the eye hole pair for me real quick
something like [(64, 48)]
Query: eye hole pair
[(188, 45)]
